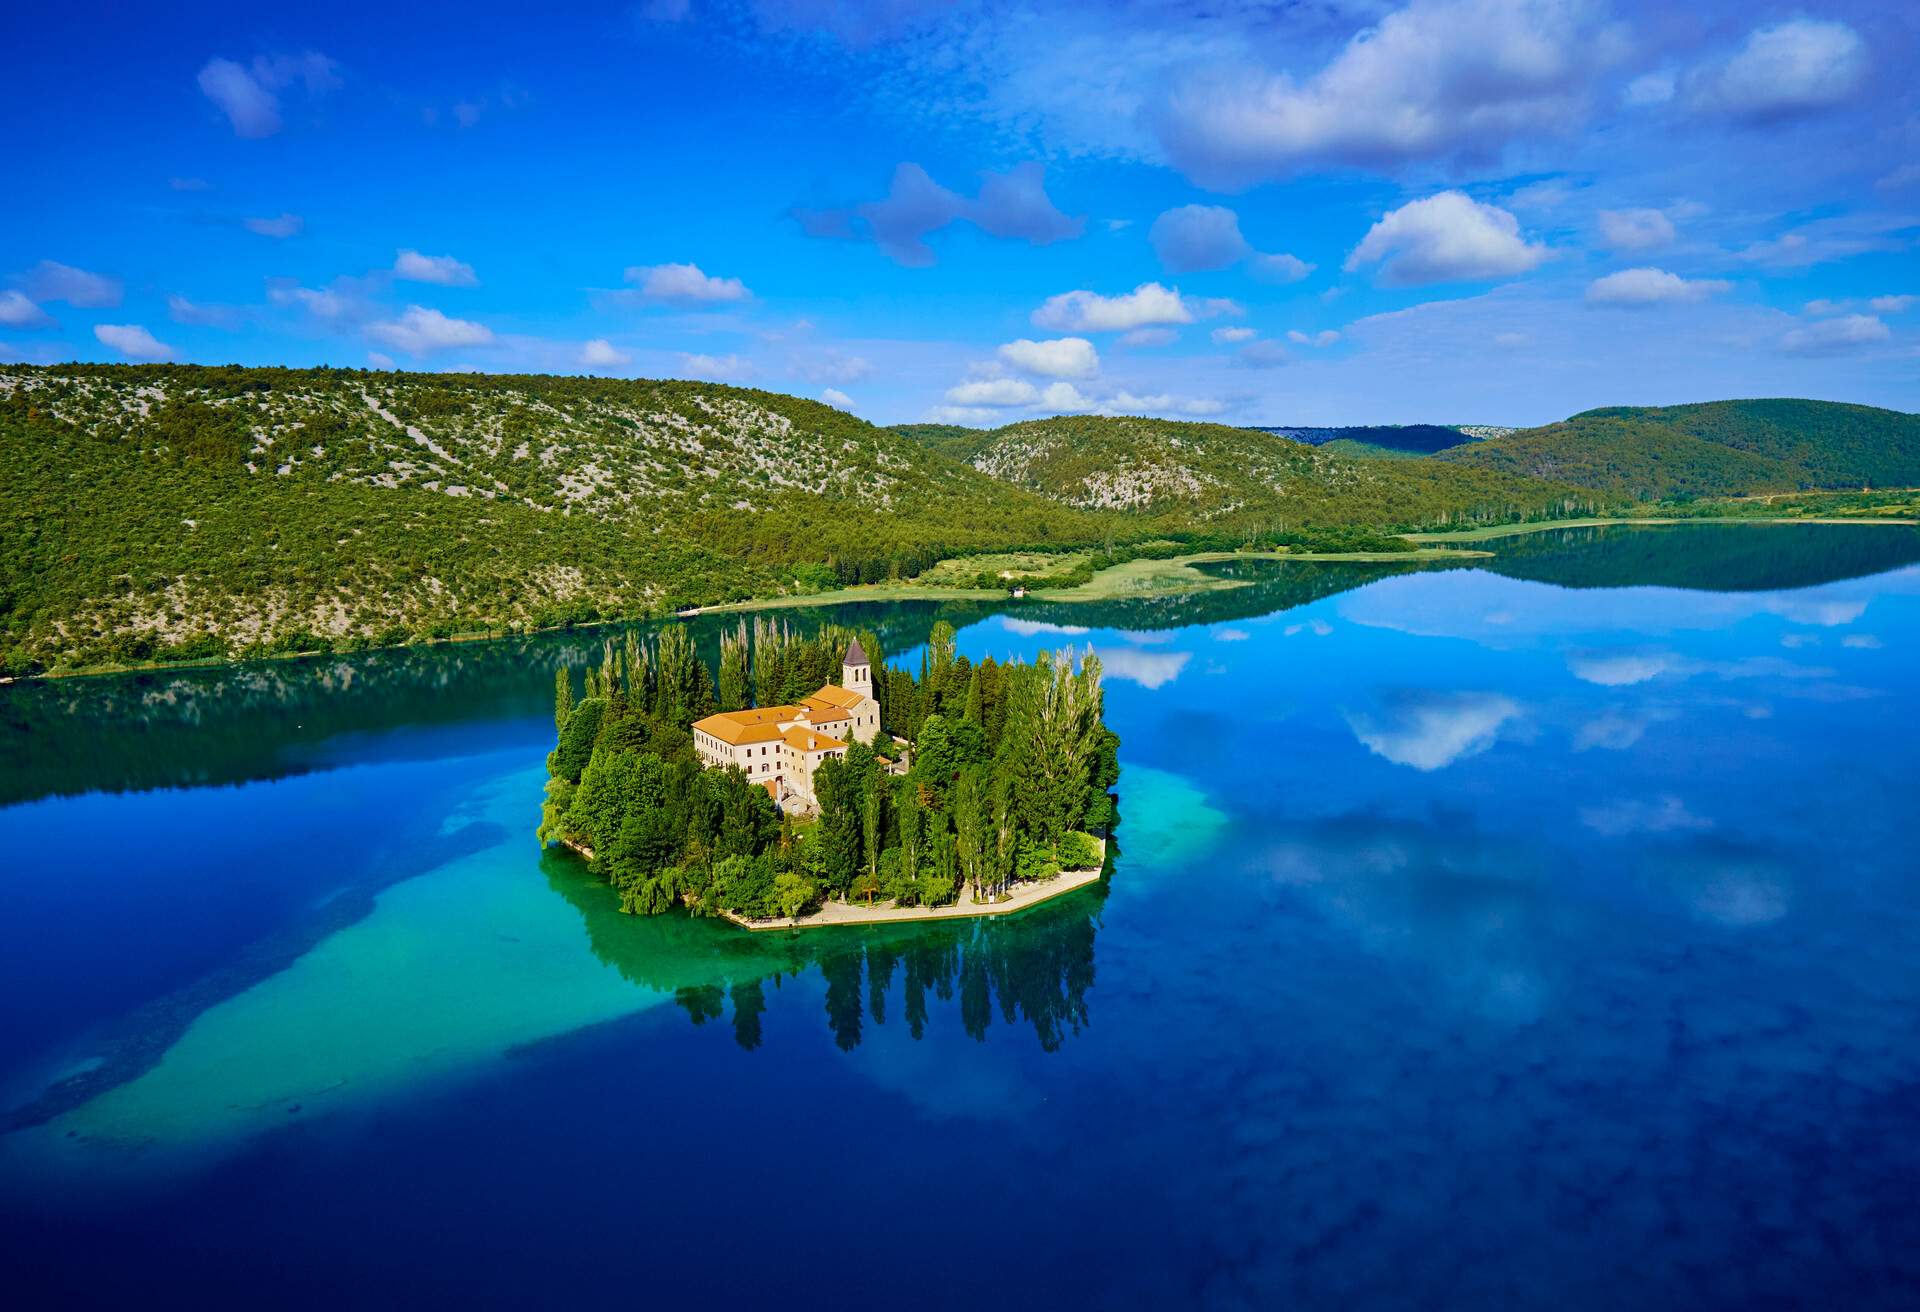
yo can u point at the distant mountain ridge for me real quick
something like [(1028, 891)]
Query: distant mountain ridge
[(1712, 448)]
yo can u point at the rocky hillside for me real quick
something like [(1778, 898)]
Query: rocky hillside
[(1217, 476), (179, 511)]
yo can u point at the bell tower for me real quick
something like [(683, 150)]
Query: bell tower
[(856, 672)]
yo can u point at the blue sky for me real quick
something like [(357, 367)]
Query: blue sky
[(1494, 211)]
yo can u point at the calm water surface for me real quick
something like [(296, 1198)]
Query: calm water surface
[(1546, 933)]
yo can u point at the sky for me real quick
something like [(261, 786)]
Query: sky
[(1447, 211)]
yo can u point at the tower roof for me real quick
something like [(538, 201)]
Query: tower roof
[(856, 655)]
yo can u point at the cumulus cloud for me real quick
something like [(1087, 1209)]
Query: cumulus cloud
[(1062, 357), (280, 226), (1840, 336), (17, 310), (1429, 731), (1198, 238), (248, 94), (1438, 79), (1635, 230), (836, 398), (1147, 305), (1013, 206), (1640, 288), (1065, 396), (1205, 238), (599, 353), (1449, 237), (1279, 268), (1785, 70), (132, 341), (1325, 337), (1230, 336), (1892, 304), (50, 280), (685, 284), (421, 331), (993, 392), (442, 270)]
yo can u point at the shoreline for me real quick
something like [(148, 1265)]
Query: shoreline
[(1023, 898), (833, 914), (1168, 569)]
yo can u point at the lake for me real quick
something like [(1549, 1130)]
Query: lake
[(1545, 932)]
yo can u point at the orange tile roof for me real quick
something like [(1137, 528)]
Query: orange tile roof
[(834, 695), (756, 726), (809, 741), (818, 712)]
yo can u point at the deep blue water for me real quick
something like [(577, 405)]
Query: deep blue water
[(1544, 934)]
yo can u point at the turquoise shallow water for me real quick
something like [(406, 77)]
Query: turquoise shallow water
[(1537, 933)]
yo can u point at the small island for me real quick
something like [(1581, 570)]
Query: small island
[(807, 783)]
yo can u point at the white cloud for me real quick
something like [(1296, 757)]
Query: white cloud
[(1666, 815), (1227, 336), (599, 353), (420, 331), (961, 414), (182, 310), (1325, 337), (1065, 396), (1437, 79), (836, 398), (1892, 304), (1638, 288), (1620, 669), (1149, 669), (1429, 731), (328, 304), (685, 283), (1279, 268), (1198, 239), (280, 226), (18, 311), (1635, 230), (1836, 336), (993, 392), (718, 368), (1650, 89), (1150, 337), (442, 270), (50, 280), (1061, 357), (133, 341), (246, 95), (1448, 237), (1146, 305), (253, 110), (1012, 206), (1790, 68), (379, 360)]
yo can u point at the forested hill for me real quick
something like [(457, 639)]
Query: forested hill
[(1712, 448), (175, 511), (1230, 478)]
